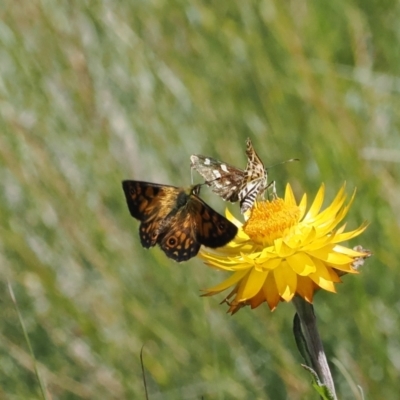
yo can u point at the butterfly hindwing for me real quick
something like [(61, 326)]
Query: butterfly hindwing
[(180, 241), (248, 194), (175, 219)]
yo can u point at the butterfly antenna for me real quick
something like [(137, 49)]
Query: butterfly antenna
[(143, 373), (283, 162)]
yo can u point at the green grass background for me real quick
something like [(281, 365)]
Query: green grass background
[(93, 92)]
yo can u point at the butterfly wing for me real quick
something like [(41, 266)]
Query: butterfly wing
[(255, 167), (248, 194), (151, 204), (212, 229), (193, 225), (179, 241), (255, 179), (224, 179)]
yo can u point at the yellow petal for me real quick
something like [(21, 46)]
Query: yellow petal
[(219, 262), (286, 281), (349, 235), (232, 280), (317, 203), (257, 300), (323, 244), (289, 196), (323, 283), (232, 218), (334, 207), (272, 263), (301, 263), (309, 235), (271, 291), (252, 284), (282, 249), (322, 277), (348, 268), (350, 252), (303, 206), (331, 257), (305, 288)]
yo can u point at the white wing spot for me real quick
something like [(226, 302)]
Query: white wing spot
[(224, 168), (207, 161), (216, 173)]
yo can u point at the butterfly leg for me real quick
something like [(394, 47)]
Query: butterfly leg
[(272, 187)]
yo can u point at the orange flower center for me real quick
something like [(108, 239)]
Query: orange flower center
[(270, 220)]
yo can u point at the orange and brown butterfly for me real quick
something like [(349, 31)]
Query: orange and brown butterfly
[(232, 183), (176, 219)]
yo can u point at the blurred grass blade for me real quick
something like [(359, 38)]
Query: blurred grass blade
[(41, 383), (356, 390), (143, 373)]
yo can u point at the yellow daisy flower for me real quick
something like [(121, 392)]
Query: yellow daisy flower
[(281, 251)]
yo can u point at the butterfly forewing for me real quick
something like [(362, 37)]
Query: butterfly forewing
[(255, 179), (213, 229), (173, 218), (146, 202), (224, 179), (255, 167), (144, 199)]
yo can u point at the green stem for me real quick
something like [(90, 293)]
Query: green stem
[(305, 311)]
